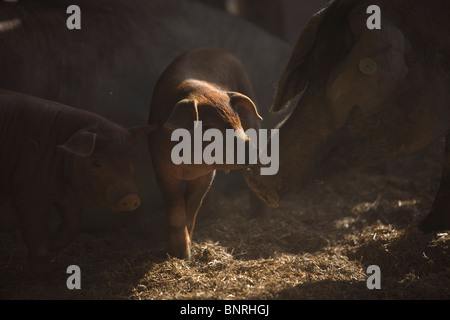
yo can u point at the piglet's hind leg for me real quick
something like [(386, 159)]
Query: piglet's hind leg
[(195, 193)]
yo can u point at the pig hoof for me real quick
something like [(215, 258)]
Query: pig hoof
[(435, 221), (181, 253), (430, 225), (180, 243)]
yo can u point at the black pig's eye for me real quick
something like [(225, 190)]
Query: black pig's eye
[(96, 163)]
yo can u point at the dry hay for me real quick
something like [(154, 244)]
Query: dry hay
[(317, 245)]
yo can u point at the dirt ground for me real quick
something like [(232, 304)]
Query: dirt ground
[(317, 245)]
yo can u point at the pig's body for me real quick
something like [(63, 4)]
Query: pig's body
[(45, 161), (211, 77)]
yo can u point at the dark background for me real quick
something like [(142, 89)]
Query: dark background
[(282, 18)]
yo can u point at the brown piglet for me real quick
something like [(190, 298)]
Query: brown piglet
[(208, 85)]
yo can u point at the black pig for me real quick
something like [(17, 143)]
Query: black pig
[(56, 155), (364, 95)]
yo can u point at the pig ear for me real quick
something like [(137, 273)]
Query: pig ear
[(240, 100), (291, 83), (81, 143), (183, 115), (137, 132), (297, 74)]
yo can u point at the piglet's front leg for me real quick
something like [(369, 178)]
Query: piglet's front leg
[(179, 240)]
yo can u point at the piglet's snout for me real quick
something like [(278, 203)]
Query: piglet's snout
[(129, 202)]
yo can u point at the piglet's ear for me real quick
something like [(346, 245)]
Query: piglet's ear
[(137, 132), (81, 143), (240, 100), (183, 115)]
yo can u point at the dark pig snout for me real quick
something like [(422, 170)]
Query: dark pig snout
[(124, 198), (130, 202)]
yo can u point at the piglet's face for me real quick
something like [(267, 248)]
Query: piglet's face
[(103, 172), (222, 111)]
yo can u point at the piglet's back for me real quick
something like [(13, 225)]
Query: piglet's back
[(215, 66)]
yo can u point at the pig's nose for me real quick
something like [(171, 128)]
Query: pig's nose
[(130, 202)]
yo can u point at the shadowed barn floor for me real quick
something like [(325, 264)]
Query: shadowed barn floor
[(317, 245)]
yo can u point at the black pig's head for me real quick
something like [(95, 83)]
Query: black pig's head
[(216, 109), (102, 170)]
